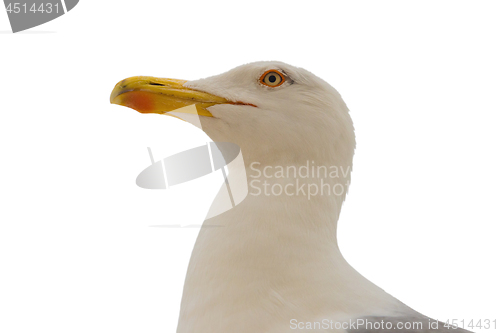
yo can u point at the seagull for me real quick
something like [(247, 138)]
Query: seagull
[(273, 263)]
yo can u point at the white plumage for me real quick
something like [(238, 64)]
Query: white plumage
[(274, 262)]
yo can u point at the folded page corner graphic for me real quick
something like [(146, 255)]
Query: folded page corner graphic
[(26, 14), (70, 4)]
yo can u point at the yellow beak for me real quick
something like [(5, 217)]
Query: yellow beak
[(154, 95)]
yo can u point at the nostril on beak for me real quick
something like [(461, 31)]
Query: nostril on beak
[(156, 84)]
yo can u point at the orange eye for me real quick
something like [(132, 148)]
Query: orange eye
[(272, 78)]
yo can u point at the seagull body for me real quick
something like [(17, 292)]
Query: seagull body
[(272, 264)]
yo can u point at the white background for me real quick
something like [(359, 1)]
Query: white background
[(78, 252)]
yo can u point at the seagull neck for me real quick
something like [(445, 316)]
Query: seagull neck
[(281, 246), (298, 204), (266, 238)]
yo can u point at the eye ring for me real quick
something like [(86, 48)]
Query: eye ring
[(272, 78)]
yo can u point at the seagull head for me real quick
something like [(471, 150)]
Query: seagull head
[(275, 112)]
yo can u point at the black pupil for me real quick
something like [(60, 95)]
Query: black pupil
[(272, 78)]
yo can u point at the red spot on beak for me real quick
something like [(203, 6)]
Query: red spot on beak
[(141, 101)]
